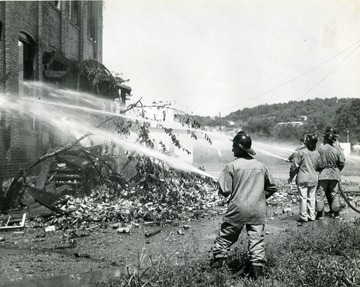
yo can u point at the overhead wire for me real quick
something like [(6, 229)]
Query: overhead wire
[(328, 74), (295, 78)]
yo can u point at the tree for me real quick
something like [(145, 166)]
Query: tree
[(347, 118), (261, 126), (288, 132)]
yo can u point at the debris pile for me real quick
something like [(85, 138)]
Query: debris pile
[(151, 198), (135, 204), (102, 207), (147, 192), (151, 193), (287, 194)]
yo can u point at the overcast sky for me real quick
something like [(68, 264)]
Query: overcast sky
[(217, 56)]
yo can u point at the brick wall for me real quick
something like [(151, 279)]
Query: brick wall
[(92, 48), (50, 37), (2, 43), (51, 30), (73, 45)]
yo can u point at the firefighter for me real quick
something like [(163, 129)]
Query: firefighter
[(305, 166), (246, 183), (300, 147), (332, 161), (336, 143)]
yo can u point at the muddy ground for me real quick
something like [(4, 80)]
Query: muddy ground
[(34, 257)]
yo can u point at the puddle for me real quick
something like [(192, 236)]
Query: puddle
[(72, 280)]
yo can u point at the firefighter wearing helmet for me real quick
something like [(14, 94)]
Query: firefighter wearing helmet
[(246, 183), (304, 167), (332, 161), (300, 147)]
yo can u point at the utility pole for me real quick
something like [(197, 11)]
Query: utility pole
[(347, 136), (220, 120)]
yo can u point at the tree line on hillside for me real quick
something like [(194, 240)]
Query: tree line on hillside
[(294, 119)]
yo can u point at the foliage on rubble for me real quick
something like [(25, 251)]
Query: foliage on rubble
[(158, 194)]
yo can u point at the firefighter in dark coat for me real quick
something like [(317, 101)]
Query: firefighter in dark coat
[(332, 161)]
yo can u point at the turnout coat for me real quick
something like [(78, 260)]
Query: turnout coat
[(332, 161), (246, 183)]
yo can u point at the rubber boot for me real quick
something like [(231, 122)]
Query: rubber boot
[(257, 271), (245, 271), (319, 215)]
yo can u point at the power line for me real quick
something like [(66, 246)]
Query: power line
[(328, 74), (294, 79)]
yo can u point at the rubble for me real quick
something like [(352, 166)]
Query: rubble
[(156, 196), (152, 233), (286, 210), (102, 209), (13, 224), (286, 194), (50, 228), (125, 230)]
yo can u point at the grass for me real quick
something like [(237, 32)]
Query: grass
[(327, 256)]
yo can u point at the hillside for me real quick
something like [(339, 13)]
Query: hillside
[(293, 119)]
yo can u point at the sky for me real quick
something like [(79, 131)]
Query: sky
[(213, 57)]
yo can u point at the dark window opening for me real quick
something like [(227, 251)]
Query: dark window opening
[(74, 12), (57, 4), (92, 21), (59, 70), (26, 57)]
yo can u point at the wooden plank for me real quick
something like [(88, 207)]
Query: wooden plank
[(14, 227), (352, 192), (44, 172)]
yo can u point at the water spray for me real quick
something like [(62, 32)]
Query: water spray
[(273, 155), (90, 98), (272, 147), (81, 126)]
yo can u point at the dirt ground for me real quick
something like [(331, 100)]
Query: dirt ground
[(35, 258)]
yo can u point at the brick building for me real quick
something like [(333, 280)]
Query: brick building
[(38, 41)]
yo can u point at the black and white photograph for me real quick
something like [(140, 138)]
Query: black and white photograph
[(175, 143)]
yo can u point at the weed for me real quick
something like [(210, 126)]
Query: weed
[(327, 256)]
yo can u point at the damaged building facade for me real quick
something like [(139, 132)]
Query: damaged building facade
[(41, 41)]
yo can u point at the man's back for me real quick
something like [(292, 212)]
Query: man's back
[(245, 179), (308, 163), (332, 161)]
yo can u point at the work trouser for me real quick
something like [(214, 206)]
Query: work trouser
[(229, 234), (328, 189), (307, 202)]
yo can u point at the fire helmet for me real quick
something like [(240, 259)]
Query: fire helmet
[(243, 140), (331, 137), (330, 130), (311, 141)]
